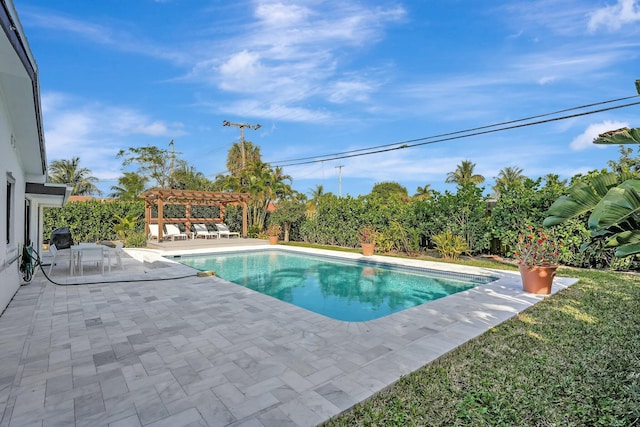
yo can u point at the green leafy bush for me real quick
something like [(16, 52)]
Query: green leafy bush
[(125, 226), (450, 246), (136, 239), (93, 220)]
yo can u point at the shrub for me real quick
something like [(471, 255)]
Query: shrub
[(450, 246), (93, 220), (136, 239)]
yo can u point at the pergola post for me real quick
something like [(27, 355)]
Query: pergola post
[(245, 219), (187, 216), (147, 217), (160, 216)]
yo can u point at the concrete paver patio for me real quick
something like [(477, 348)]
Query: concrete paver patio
[(194, 351)]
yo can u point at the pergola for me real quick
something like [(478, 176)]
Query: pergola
[(189, 198)]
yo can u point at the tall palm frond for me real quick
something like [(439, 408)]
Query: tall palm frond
[(464, 174), (70, 173)]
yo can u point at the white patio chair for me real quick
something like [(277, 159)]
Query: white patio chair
[(92, 254), (201, 230), (115, 252), (57, 256), (223, 230), (153, 232), (174, 232)]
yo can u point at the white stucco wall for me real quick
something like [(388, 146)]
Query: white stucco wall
[(10, 163)]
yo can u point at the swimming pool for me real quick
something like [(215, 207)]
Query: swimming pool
[(347, 290)]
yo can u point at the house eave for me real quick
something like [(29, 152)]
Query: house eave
[(51, 195)]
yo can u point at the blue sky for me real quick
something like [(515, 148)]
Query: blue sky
[(324, 77)]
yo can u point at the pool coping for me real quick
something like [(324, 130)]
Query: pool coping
[(469, 279)]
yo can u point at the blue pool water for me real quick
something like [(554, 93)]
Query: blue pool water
[(341, 289)]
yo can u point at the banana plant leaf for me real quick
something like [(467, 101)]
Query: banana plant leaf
[(624, 238), (619, 136), (620, 208), (618, 213), (628, 250), (582, 197)]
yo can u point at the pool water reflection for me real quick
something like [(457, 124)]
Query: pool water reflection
[(337, 288)]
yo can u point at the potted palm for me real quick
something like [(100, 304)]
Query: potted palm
[(367, 235), (273, 232), (538, 254)]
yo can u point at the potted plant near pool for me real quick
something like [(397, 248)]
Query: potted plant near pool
[(273, 232), (367, 235), (538, 254)]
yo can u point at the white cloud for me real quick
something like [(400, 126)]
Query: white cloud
[(614, 17), (87, 30), (585, 139), (349, 91), (114, 37), (279, 14), (242, 72), (291, 53), (276, 111), (546, 80), (540, 18), (96, 132)]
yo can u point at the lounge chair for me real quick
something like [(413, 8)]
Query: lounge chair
[(201, 230), (223, 230), (174, 232), (57, 256), (153, 232)]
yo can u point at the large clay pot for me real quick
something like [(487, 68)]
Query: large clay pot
[(273, 240), (368, 248), (537, 280)]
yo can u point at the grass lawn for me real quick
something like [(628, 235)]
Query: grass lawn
[(571, 360)]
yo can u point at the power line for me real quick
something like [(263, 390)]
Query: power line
[(317, 157), (408, 143), (451, 135)]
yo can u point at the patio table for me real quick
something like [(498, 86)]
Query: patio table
[(75, 259)]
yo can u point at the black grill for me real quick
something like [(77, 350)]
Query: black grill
[(61, 237)]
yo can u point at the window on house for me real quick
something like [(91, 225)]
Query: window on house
[(11, 185)]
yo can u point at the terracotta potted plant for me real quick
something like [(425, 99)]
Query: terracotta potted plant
[(273, 232), (367, 235), (538, 253)]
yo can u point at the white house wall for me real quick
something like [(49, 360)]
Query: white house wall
[(10, 164)]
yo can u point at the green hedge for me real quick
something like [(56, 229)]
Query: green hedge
[(93, 220)]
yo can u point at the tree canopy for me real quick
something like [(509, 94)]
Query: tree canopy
[(507, 178), (390, 189), (464, 174), (70, 173)]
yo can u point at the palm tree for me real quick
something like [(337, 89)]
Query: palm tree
[(234, 157), (424, 193), (129, 187), (187, 177), (464, 174), (70, 173), (508, 177), (265, 185), (224, 182), (312, 204)]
